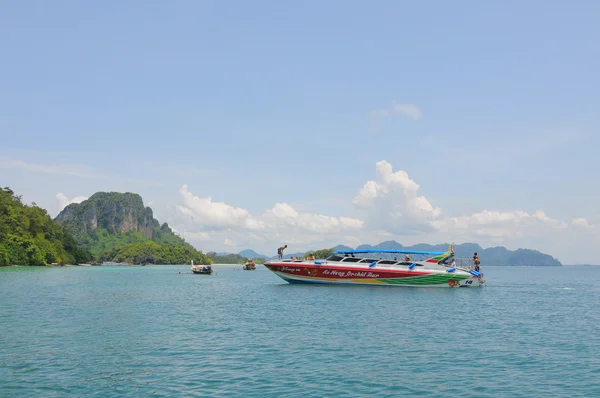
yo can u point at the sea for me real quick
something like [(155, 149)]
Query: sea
[(158, 331)]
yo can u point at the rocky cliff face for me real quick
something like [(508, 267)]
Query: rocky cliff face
[(113, 211)]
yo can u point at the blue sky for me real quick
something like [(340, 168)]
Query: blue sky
[(487, 107)]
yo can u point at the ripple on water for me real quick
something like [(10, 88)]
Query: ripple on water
[(129, 331)]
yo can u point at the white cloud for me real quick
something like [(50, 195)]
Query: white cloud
[(408, 110), (283, 211), (282, 217), (388, 207), (198, 236), (267, 241), (391, 202), (215, 214), (581, 222), (497, 224), (63, 201), (220, 224)]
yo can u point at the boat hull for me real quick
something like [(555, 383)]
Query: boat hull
[(363, 276), (203, 272)]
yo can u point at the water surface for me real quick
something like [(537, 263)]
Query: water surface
[(162, 331)]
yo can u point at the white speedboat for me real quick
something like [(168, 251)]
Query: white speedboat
[(435, 269)]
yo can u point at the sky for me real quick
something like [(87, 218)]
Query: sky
[(311, 124)]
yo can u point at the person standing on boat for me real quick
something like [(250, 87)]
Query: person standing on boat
[(476, 263), (406, 257), (280, 251)]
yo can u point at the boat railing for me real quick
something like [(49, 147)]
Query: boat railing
[(464, 262)]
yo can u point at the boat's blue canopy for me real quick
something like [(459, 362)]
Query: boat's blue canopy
[(389, 251)]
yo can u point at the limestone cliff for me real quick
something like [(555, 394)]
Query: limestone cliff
[(109, 220), (113, 211)]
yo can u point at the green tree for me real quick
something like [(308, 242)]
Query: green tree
[(227, 258), (320, 254), (28, 236), (158, 253)]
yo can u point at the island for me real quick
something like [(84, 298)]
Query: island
[(117, 227), (29, 236)]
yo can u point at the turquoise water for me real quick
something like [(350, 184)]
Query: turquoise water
[(153, 331)]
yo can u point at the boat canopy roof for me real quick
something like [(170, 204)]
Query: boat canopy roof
[(389, 251)]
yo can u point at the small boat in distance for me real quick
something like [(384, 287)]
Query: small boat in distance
[(436, 269), (201, 269), (250, 265)]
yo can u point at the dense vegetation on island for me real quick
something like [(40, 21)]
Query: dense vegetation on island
[(323, 253), (29, 236), (156, 253), (118, 227), (231, 258)]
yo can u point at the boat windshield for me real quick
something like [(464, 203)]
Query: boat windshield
[(351, 259), (368, 260), (388, 262), (334, 258)]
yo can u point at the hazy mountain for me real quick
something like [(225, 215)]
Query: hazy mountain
[(341, 247), (491, 256), (249, 253)]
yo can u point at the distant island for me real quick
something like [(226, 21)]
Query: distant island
[(490, 256), (117, 227), (231, 258)]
